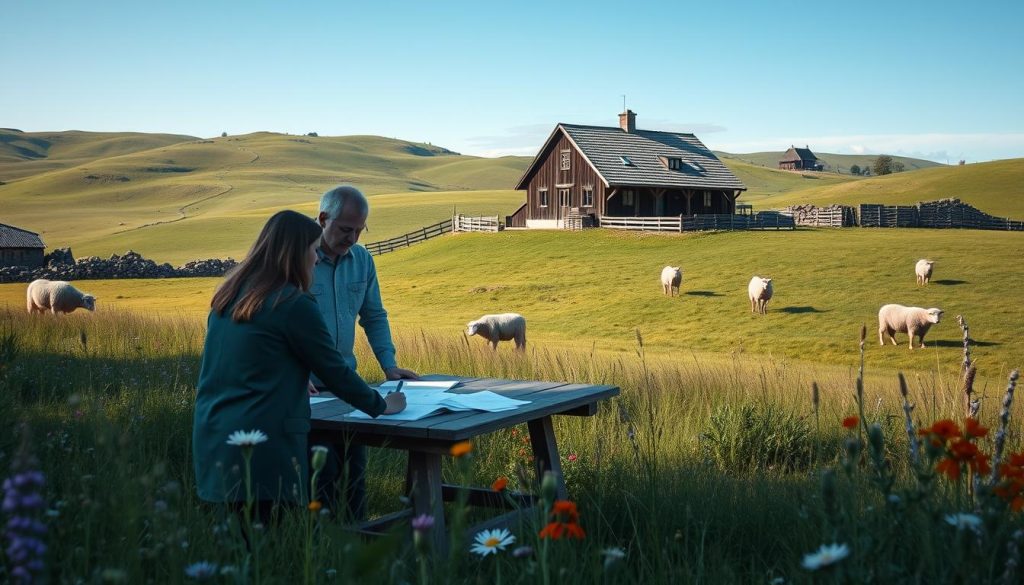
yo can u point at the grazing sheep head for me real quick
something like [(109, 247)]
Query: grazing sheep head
[(934, 315), (89, 302), (765, 282), (472, 327)]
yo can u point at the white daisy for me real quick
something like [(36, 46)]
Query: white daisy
[(247, 439), (201, 571), (491, 541), (964, 521), (827, 555)]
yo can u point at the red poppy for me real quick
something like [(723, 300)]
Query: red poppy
[(850, 422), (499, 484), (972, 428), (950, 467), (945, 428)]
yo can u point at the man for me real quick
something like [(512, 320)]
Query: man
[(345, 286)]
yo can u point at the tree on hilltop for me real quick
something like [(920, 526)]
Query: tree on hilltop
[(883, 165), (855, 169)]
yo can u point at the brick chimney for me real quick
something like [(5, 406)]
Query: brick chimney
[(627, 121)]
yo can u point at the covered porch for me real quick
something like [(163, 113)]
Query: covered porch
[(660, 202)]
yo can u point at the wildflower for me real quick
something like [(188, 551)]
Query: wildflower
[(319, 457), (964, 521), (972, 428), (201, 571), (315, 506), (850, 422), (828, 554), (500, 484), (422, 523), (612, 555), (572, 458), (565, 523), (25, 531), (522, 552), (491, 541), (247, 439), (461, 449), (944, 429)]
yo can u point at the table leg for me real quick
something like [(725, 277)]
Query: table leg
[(545, 453), (424, 474)]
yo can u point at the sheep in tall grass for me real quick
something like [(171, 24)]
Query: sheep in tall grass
[(671, 278), (56, 296), (910, 320), (923, 269), (760, 292), (503, 327)]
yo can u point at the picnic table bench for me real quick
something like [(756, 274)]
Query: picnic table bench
[(429, 439)]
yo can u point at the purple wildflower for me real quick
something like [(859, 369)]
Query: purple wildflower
[(24, 531), (422, 523)]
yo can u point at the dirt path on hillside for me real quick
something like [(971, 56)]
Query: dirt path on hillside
[(182, 210)]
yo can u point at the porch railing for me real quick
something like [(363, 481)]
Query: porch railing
[(711, 221)]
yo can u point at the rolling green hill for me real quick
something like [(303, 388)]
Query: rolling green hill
[(23, 154), (836, 163), (994, 187)]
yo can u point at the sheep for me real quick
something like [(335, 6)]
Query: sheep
[(760, 292), (503, 327), (923, 269), (671, 278), (910, 320), (56, 296)]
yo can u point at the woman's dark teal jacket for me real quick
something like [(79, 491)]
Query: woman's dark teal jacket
[(254, 376)]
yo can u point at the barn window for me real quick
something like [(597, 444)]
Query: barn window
[(674, 164), (542, 195), (565, 160), (707, 199), (588, 197), (563, 198), (627, 197)]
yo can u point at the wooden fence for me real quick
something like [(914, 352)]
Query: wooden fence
[(421, 235), (764, 220), (463, 223), (946, 213)]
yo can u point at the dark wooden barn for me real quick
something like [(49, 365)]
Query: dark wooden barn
[(800, 159), (595, 171), (20, 247)]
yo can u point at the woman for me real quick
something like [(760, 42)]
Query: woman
[(264, 336)]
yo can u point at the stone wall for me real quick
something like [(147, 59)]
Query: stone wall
[(61, 265)]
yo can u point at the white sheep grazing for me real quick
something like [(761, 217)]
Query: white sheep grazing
[(503, 327), (56, 296), (760, 292), (671, 278), (910, 320), (923, 269)]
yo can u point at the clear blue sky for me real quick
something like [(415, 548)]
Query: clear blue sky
[(939, 80)]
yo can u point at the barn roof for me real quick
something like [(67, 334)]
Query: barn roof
[(802, 154), (12, 237), (623, 158)]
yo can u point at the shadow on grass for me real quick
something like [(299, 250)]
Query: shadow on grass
[(959, 343), (947, 282), (799, 310), (703, 293)]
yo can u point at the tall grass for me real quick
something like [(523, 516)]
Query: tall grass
[(702, 470)]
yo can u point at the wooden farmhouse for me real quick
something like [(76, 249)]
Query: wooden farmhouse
[(20, 247), (590, 172), (800, 159)]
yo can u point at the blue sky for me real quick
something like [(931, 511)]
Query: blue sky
[(931, 79)]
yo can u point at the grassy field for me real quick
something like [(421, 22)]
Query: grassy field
[(595, 288), (700, 472)]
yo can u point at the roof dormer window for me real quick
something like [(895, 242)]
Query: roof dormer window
[(675, 164), (626, 162)]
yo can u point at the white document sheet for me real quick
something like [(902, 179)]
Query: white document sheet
[(429, 402), (318, 399)]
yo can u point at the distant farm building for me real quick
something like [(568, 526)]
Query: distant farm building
[(584, 173), (800, 159), (20, 247)]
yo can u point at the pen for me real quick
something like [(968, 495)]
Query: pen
[(397, 389)]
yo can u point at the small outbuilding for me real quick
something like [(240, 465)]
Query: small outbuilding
[(20, 247), (800, 159)]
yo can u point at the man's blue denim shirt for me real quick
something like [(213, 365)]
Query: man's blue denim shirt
[(347, 288)]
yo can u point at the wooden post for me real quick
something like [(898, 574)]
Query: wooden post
[(689, 196), (424, 475), (545, 453)]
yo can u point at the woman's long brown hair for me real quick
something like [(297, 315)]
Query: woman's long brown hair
[(277, 258)]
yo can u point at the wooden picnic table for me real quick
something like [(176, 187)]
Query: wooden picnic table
[(429, 439)]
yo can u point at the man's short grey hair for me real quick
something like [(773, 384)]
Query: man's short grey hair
[(334, 200)]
